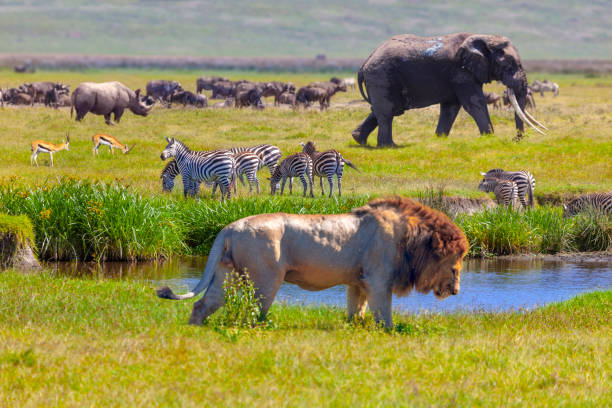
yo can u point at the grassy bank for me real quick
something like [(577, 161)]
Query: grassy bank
[(73, 342), (573, 157), (81, 220)]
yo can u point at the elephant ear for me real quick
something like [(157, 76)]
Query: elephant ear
[(474, 55)]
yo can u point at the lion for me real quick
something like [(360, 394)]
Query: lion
[(387, 246)]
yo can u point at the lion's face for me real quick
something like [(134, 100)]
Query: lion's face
[(442, 276)]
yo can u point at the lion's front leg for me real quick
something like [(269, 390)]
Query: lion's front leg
[(379, 297), (356, 302)]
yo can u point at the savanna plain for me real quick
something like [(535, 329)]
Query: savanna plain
[(67, 341)]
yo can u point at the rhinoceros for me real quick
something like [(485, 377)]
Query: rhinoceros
[(106, 98)]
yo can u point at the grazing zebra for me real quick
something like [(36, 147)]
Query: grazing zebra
[(172, 170), (270, 154), (296, 165), (524, 181), (326, 164), (597, 201), (195, 167), (247, 164), (506, 191)]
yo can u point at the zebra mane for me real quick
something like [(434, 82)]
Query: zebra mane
[(187, 149)]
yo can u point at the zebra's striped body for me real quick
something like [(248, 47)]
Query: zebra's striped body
[(327, 164), (506, 191), (597, 201), (172, 170), (270, 154), (523, 179), (296, 165), (247, 164), (195, 167)]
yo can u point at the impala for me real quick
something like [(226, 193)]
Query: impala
[(40, 146), (110, 141)]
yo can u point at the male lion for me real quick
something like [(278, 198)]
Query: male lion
[(387, 246)]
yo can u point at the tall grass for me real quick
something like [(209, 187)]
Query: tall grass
[(86, 220), (95, 221)]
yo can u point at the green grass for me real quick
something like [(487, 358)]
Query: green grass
[(298, 28), (80, 342), (573, 157), (19, 226)]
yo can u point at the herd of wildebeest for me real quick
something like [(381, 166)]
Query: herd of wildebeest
[(239, 94)]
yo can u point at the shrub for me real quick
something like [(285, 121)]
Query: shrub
[(242, 305)]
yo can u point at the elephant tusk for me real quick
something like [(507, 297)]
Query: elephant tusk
[(519, 112), (534, 120)]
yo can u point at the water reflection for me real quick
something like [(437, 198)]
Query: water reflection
[(491, 285)]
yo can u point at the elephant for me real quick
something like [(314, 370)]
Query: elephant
[(408, 71), (106, 98)]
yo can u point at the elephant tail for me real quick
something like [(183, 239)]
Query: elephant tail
[(220, 252), (360, 80)]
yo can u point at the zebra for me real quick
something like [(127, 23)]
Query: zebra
[(506, 191), (198, 166), (270, 154), (247, 164), (172, 170), (523, 179), (601, 202), (296, 165), (326, 164)]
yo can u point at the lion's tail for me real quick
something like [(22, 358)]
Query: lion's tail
[(217, 252)]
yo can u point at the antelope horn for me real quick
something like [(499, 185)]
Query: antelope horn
[(130, 149), (534, 120), (519, 112)]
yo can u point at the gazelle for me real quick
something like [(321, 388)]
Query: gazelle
[(40, 146), (110, 141)]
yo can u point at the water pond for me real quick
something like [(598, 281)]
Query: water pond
[(490, 285)]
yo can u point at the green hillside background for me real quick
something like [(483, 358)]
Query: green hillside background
[(560, 29)]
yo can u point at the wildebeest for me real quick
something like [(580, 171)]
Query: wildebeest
[(162, 89), (287, 98), (223, 89), (189, 98), (24, 68), (309, 94), (248, 94), (493, 99), (208, 82), (276, 88), (545, 86), (106, 98)]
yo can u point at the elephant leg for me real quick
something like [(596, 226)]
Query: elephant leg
[(385, 134), (356, 302), (361, 133), (448, 114), (474, 102)]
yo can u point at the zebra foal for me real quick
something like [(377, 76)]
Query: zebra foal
[(524, 180), (506, 191), (296, 165), (327, 164)]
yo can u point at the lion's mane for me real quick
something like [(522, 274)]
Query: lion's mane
[(427, 236)]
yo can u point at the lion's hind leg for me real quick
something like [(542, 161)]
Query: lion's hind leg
[(356, 302), (212, 300)]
